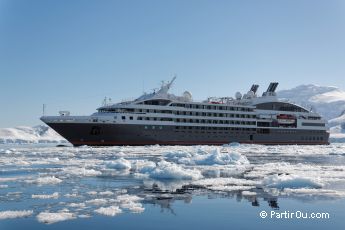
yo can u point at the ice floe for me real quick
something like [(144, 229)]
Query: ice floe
[(53, 217), (109, 211), (15, 214), (202, 157), (80, 171), (55, 195), (97, 202), (290, 181), (168, 170), (46, 180), (121, 164)]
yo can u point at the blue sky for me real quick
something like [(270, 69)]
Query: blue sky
[(70, 54)]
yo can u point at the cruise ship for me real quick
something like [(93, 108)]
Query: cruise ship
[(166, 119)]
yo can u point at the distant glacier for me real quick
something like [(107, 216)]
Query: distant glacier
[(27, 135)]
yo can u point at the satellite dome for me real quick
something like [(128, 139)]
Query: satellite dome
[(250, 94), (187, 95), (238, 96)]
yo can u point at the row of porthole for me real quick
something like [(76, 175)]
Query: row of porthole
[(312, 138), (153, 127)]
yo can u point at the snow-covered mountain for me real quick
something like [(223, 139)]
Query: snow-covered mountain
[(24, 134), (329, 101)]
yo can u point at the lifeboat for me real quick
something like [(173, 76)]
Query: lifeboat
[(286, 119)]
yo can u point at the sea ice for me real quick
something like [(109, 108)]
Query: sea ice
[(120, 164), (168, 170), (55, 195), (216, 156), (47, 180), (109, 211), (53, 217), (290, 181), (15, 214), (97, 202)]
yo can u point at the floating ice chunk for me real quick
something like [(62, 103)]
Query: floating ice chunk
[(71, 195), (176, 155), (81, 171), (167, 170), (9, 179), (7, 151), (53, 217), (133, 207), (120, 164), (230, 188), (47, 180), (109, 211), (202, 157), (3, 186), (290, 181), (55, 195), (248, 193), (128, 198), (15, 214), (77, 205), (131, 203), (97, 202), (225, 181), (216, 157), (106, 193), (143, 166), (314, 192)]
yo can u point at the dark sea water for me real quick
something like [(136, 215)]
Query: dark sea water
[(172, 187)]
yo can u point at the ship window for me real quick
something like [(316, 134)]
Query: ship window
[(312, 124), (123, 117), (130, 118), (281, 106)]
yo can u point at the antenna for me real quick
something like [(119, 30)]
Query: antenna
[(44, 109), (104, 102)]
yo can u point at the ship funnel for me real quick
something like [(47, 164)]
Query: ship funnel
[(271, 89), (254, 88)]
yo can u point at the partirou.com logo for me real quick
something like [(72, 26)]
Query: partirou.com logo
[(293, 215)]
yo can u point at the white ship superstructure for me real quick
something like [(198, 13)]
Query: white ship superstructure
[(163, 118)]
